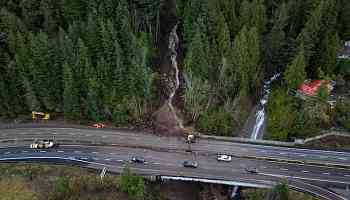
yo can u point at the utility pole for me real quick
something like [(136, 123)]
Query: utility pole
[(103, 173)]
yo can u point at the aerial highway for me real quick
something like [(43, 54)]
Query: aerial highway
[(313, 171)]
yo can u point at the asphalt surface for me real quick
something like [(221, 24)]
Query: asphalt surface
[(308, 170)]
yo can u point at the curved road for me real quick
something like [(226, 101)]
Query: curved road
[(164, 155)]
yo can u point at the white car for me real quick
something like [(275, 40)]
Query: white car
[(44, 144), (223, 157)]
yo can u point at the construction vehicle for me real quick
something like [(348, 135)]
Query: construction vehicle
[(99, 125), (191, 138), (40, 115)]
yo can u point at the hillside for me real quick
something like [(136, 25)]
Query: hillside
[(114, 61)]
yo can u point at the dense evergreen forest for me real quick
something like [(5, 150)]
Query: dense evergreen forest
[(96, 60)]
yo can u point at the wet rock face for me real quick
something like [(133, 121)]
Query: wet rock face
[(165, 119)]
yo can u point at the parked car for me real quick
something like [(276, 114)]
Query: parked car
[(190, 164), (43, 144), (252, 170), (137, 159), (223, 157)]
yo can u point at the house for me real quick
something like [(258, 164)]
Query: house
[(311, 88), (344, 53)]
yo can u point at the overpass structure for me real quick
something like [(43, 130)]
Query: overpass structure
[(313, 171)]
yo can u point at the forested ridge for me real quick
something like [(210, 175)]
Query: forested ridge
[(95, 60)]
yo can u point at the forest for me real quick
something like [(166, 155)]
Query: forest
[(97, 60)]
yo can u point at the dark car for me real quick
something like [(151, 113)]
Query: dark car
[(190, 164), (252, 170), (138, 159)]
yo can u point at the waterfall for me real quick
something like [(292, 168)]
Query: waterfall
[(260, 113), (173, 43)]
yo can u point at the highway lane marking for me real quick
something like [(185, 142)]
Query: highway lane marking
[(7, 152), (326, 173), (112, 153), (42, 151), (342, 158), (305, 171), (77, 151), (263, 151), (94, 152), (120, 160), (156, 163), (107, 159), (104, 136), (347, 175), (282, 153), (283, 169), (302, 155), (24, 151), (84, 158), (60, 151), (263, 167), (304, 178)]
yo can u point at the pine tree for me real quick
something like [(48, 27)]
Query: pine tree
[(223, 37), (246, 55), (328, 53), (41, 54), (197, 61), (70, 94), (295, 73)]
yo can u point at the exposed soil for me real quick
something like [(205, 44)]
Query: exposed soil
[(167, 120)]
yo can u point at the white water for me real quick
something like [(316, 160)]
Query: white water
[(173, 42), (260, 113)]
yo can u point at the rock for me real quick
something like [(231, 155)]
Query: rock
[(165, 123)]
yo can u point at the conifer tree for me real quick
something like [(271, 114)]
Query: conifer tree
[(295, 73), (70, 94)]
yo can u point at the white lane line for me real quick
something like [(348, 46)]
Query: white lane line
[(84, 158), (112, 153), (263, 167), (347, 175), (42, 151), (120, 160), (325, 173), (77, 151), (305, 171), (283, 169), (156, 163), (7, 152), (104, 136), (263, 151), (107, 159), (302, 155), (24, 151), (60, 151), (342, 158), (282, 153), (94, 152)]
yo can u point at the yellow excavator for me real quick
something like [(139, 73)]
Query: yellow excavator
[(40, 115)]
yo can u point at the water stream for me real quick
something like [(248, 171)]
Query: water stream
[(258, 132), (173, 43)]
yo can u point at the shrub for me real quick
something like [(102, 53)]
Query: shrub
[(216, 121), (133, 185)]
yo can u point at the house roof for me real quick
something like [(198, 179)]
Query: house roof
[(344, 53)]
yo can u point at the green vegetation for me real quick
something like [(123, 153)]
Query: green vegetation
[(82, 58), (279, 192), (39, 182), (133, 185), (93, 60)]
